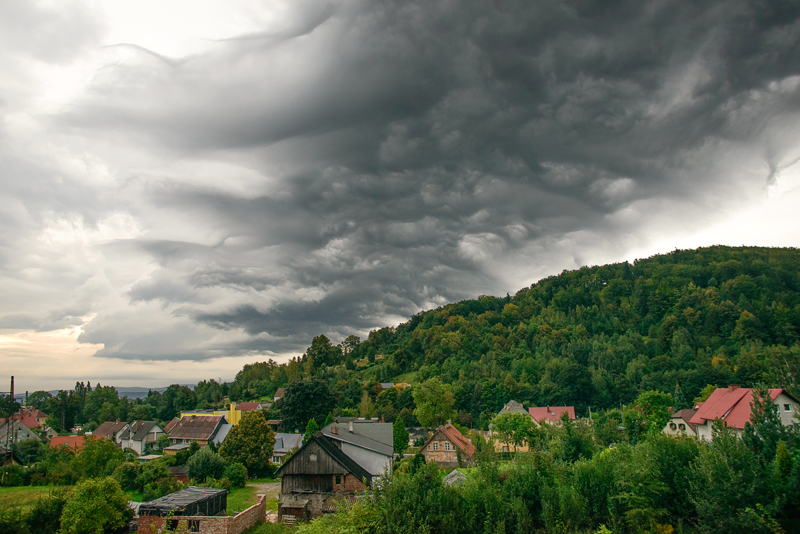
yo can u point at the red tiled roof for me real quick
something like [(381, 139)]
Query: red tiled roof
[(280, 393), (551, 413), (72, 442), (458, 439), (730, 405), (247, 406)]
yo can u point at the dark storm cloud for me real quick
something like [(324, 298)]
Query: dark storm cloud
[(410, 146)]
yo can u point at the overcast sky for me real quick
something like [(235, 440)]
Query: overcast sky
[(192, 185)]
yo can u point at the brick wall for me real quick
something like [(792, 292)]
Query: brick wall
[(212, 525), (353, 483)]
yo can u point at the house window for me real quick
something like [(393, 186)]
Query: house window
[(312, 457), (436, 446), (787, 408), (682, 426), (338, 480), (672, 426), (447, 446)]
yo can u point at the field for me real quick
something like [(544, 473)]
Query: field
[(23, 497), (240, 499)]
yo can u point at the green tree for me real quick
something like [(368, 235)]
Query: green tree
[(328, 420), (305, 400), (764, 430), (250, 443), (38, 400), (95, 506), (99, 457), (515, 429), (366, 407), (322, 352), (311, 429), (400, 435), (434, 402), (205, 464)]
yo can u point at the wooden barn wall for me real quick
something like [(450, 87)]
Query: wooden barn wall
[(301, 464), (303, 483)]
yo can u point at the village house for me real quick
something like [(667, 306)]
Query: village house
[(139, 434), (551, 414), (448, 447), (31, 417), (731, 405), (110, 430), (200, 429), (332, 465), (680, 424), (511, 408), (15, 431), (70, 442), (283, 444), (279, 394)]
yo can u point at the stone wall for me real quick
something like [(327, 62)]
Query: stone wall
[(211, 525)]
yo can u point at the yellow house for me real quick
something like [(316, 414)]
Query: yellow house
[(500, 446), (233, 414)]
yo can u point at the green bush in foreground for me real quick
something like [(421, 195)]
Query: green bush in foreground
[(95, 506)]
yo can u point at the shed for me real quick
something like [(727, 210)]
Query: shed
[(191, 501)]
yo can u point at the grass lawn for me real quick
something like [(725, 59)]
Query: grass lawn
[(411, 378), (133, 495), (22, 497), (240, 499)]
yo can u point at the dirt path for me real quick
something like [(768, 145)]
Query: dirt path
[(271, 490)]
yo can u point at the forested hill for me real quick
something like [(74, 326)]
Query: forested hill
[(594, 337)]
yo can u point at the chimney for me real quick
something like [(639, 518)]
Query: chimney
[(12, 389), (117, 421), (351, 427), (383, 419), (335, 430), (732, 387)]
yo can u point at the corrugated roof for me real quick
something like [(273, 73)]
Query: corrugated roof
[(168, 428), (731, 405), (286, 442), (202, 427), (362, 436), (550, 413), (222, 433)]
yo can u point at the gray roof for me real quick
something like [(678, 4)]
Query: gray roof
[(222, 433), (513, 407), (286, 442), (455, 478), (138, 430), (178, 447), (370, 436)]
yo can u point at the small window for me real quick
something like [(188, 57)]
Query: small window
[(436, 446), (672, 426), (338, 480), (787, 407), (682, 426), (312, 457), (447, 446)]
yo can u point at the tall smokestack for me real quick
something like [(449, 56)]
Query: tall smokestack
[(12, 389)]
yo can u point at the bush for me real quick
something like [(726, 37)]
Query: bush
[(12, 521), (206, 464), (237, 474), (15, 475), (45, 515), (127, 474), (95, 506)]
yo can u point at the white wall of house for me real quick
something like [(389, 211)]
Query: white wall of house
[(784, 405), (678, 427)]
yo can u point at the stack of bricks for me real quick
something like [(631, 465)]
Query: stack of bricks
[(211, 525)]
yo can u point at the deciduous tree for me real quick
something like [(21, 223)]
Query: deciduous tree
[(250, 443)]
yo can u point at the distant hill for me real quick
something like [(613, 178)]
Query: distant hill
[(593, 337)]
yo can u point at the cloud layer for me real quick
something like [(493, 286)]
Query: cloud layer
[(340, 166)]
